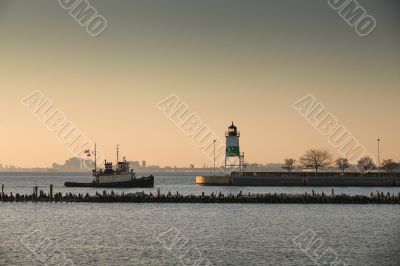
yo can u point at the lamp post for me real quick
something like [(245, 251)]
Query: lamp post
[(214, 156), (379, 160)]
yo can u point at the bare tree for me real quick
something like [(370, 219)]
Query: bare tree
[(366, 164), (289, 164), (343, 164), (389, 165), (315, 159)]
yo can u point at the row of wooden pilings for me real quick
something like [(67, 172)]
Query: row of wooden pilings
[(158, 197)]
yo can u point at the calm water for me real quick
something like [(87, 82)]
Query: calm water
[(182, 182), (223, 234)]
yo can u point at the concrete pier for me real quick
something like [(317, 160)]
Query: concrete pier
[(214, 180), (281, 179)]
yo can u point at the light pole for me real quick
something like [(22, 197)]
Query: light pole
[(379, 160), (214, 156)]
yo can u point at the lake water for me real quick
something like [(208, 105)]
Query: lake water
[(218, 234)]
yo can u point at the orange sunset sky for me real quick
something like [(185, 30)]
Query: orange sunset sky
[(241, 61)]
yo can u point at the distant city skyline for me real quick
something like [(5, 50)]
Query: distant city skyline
[(227, 60), (76, 164)]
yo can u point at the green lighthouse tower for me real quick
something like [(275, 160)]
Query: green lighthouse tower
[(234, 160)]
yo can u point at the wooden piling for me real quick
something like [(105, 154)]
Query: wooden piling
[(51, 191), (35, 193), (214, 197)]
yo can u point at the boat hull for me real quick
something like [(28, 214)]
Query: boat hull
[(147, 181)]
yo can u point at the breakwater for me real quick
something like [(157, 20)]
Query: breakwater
[(302, 179), (158, 197)]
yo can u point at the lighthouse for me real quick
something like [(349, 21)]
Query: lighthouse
[(234, 160)]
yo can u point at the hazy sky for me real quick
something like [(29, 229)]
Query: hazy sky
[(241, 61)]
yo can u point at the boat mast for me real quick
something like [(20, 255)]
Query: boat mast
[(95, 158), (117, 152)]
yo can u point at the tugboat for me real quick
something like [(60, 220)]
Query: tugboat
[(120, 177)]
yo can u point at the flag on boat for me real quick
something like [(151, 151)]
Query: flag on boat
[(87, 152)]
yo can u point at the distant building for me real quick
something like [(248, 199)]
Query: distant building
[(144, 165), (71, 165), (135, 165)]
